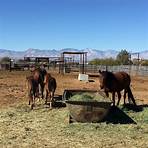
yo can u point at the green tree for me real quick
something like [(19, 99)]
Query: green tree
[(95, 62), (144, 63), (5, 59), (107, 61), (123, 57)]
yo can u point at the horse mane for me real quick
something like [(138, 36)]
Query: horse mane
[(109, 78), (109, 75)]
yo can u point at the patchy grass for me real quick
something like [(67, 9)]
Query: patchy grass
[(42, 127), (20, 127)]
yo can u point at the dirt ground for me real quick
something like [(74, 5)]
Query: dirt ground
[(21, 127), (13, 86)]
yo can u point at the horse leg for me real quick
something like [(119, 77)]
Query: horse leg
[(125, 91), (31, 101), (50, 100), (130, 96), (119, 97), (30, 94), (46, 96), (52, 96), (113, 98), (107, 94), (42, 90), (37, 93)]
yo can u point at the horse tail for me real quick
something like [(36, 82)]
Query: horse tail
[(130, 95)]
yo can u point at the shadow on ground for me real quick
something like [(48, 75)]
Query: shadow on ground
[(117, 116), (134, 108), (59, 104)]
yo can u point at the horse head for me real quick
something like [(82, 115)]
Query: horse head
[(106, 78), (102, 79)]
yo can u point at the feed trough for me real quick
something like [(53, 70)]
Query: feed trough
[(86, 105)]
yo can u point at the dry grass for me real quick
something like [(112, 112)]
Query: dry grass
[(42, 127), (20, 127)]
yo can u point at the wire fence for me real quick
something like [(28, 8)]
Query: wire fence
[(131, 69)]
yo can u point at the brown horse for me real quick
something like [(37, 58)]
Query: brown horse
[(116, 82), (33, 88), (50, 86), (42, 72)]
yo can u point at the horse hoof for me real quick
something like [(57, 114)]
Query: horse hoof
[(31, 107)]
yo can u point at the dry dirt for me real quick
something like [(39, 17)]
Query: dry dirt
[(13, 86)]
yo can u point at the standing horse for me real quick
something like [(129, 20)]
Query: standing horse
[(116, 82), (50, 86), (42, 72), (33, 88)]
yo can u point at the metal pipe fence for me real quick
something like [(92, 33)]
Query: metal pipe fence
[(131, 69)]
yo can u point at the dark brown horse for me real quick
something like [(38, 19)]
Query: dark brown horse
[(50, 86), (115, 83)]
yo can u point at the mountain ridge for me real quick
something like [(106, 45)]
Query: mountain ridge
[(91, 53)]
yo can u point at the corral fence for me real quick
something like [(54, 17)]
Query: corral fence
[(131, 69)]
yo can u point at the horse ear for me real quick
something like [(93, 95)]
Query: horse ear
[(100, 71)]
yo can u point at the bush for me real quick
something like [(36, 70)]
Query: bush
[(108, 62), (5, 59)]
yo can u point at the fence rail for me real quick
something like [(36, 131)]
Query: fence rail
[(131, 69)]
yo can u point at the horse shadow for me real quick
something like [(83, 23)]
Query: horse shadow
[(132, 107), (58, 103), (117, 116)]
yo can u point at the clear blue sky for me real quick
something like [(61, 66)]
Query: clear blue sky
[(56, 24)]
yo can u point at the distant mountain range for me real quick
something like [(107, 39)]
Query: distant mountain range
[(91, 53)]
